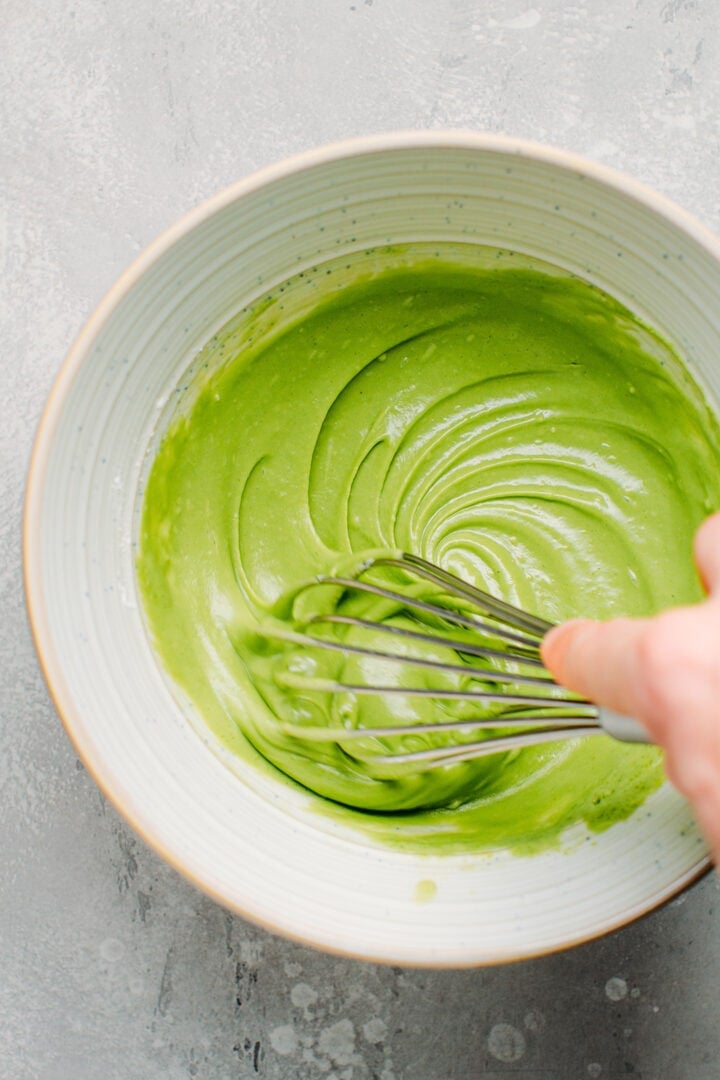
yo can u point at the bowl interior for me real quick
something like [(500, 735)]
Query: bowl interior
[(252, 842)]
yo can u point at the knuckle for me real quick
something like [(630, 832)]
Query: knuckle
[(655, 647), (657, 651)]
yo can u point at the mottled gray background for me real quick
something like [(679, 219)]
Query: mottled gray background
[(115, 117)]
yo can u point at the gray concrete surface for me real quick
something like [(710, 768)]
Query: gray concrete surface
[(115, 117)]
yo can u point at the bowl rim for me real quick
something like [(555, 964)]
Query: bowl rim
[(357, 146)]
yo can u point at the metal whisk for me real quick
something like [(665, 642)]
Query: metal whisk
[(519, 703)]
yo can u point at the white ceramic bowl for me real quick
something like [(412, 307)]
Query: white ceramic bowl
[(253, 844)]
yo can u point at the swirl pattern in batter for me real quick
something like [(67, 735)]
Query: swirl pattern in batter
[(517, 426)]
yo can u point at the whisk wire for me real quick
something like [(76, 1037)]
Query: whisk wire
[(414, 603), (460, 646), (491, 605), (527, 719)]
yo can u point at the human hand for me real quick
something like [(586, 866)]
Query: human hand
[(665, 672)]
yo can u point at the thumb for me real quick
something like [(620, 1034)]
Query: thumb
[(707, 553), (599, 661), (603, 661)]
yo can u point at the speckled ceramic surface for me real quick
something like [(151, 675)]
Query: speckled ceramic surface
[(246, 840)]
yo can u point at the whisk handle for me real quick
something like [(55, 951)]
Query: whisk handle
[(622, 727)]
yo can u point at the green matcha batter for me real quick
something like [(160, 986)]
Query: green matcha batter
[(514, 425)]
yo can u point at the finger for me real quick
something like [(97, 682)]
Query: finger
[(600, 661), (707, 553)]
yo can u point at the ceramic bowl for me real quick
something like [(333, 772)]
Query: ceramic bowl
[(251, 842)]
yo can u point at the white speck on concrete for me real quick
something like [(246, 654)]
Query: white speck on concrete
[(526, 21), (284, 1040), (594, 1069), (534, 1021), (375, 1030), (292, 969), (506, 1043), (251, 952), (616, 989), (303, 995), (603, 149), (679, 122), (338, 1042), (112, 950)]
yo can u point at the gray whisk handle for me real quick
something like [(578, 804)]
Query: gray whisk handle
[(622, 727)]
